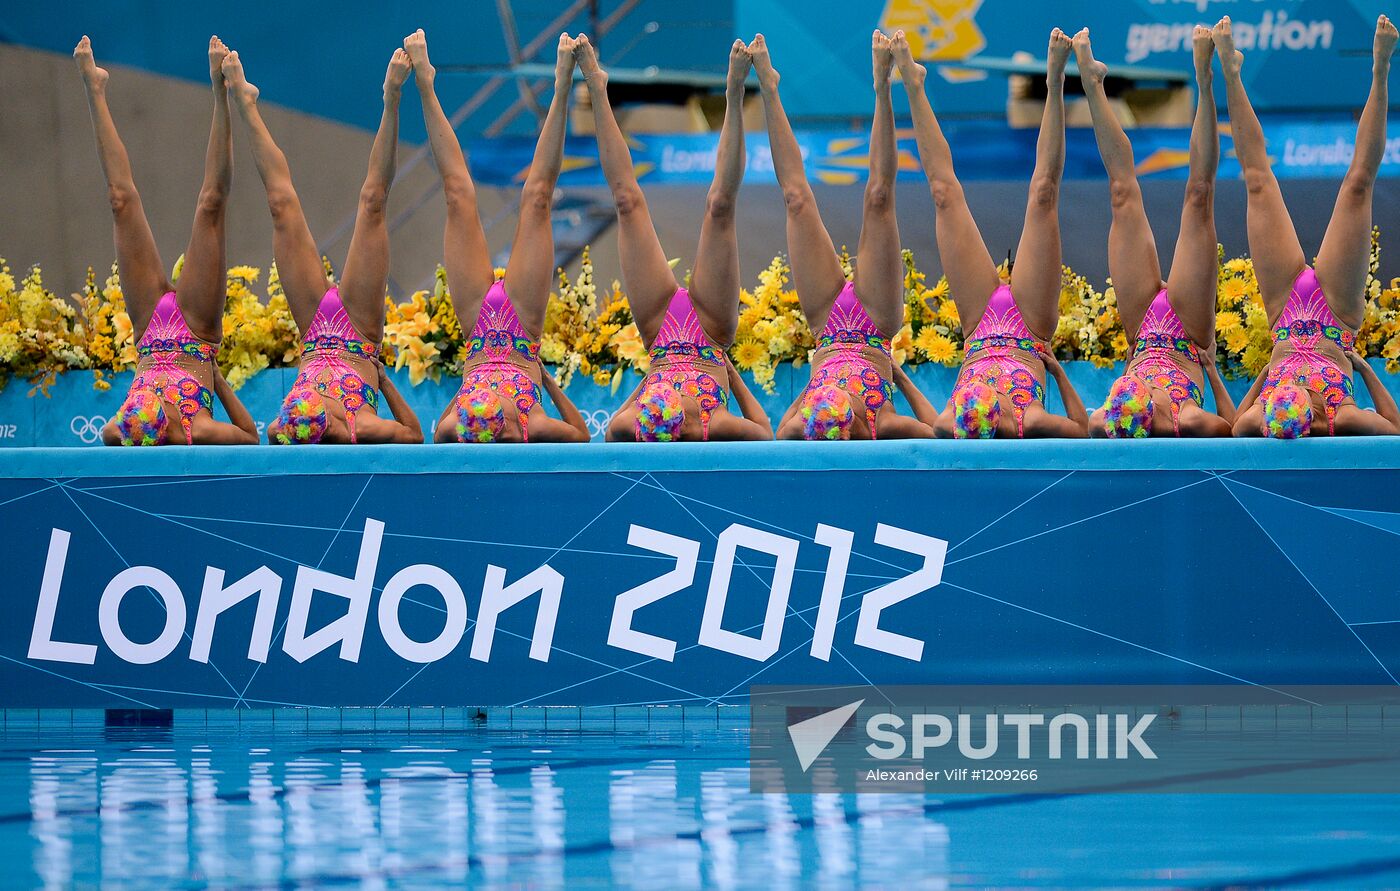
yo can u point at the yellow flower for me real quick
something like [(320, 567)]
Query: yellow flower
[(934, 346), (419, 357), (1255, 358), (627, 343), (948, 312), (1228, 321), (552, 349), (749, 353), (1120, 344), (1233, 289)]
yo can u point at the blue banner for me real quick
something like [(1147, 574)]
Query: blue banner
[(583, 575), (982, 151), (1299, 54)]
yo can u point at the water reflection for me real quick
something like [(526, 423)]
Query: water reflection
[(496, 810)]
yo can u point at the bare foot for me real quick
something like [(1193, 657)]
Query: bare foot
[(1058, 54), (910, 72), (564, 64), (400, 66), (762, 64), (586, 54), (243, 91), (1224, 36), (94, 77), (416, 45), (739, 63), (217, 52), (1202, 47), (1385, 41), (882, 57), (1091, 70)]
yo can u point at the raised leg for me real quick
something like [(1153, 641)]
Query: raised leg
[(298, 262), (1035, 280), (1132, 250), (715, 279), (138, 262), (465, 254), (816, 269), (879, 266), (531, 266), (1273, 243), (1196, 261), (645, 270), (203, 287), (972, 274), (1344, 259), (367, 263)]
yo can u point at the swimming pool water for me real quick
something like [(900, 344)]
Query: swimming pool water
[(496, 806)]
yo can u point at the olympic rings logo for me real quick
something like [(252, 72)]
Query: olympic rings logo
[(597, 421), (88, 428)]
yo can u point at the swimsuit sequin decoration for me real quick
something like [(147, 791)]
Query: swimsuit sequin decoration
[(991, 355), (1306, 320), (331, 340), (848, 329), (168, 337), (497, 347), (681, 343), (1162, 345)]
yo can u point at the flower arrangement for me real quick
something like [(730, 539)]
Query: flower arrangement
[(422, 333), (772, 329), (39, 332), (593, 334), (258, 333)]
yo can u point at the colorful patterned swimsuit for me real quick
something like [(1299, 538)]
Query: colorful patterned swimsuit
[(166, 340), (497, 347), (992, 355), (329, 352), (848, 331), (1306, 320), (677, 354), (1162, 347)]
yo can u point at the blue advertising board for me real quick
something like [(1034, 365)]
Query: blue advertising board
[(981, 150), (1301, 54), (612, 575), (1304, 55)]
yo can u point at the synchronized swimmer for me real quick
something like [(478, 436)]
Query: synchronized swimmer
[(691, 390)]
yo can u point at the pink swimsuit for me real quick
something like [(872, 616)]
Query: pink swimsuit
[(497, 347), (1162, 346), (330, 342), (848, 329), (168, 337), (991, 355), (1307, 319), (680, 345)]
